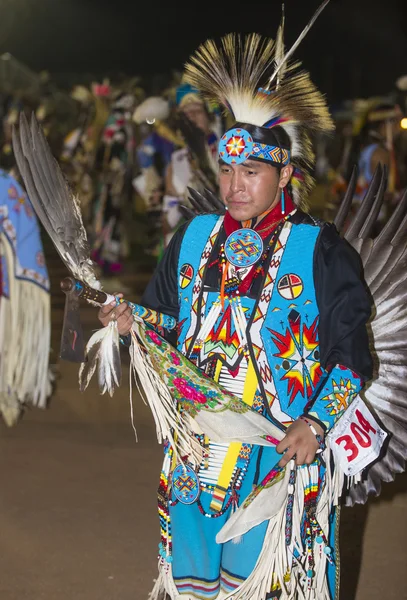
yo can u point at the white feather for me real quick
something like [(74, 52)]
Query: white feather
[(298, 41), (103, 354)]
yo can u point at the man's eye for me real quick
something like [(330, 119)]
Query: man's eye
[(225, 170), (251, 172)]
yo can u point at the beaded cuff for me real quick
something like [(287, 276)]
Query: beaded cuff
[(338, 391)]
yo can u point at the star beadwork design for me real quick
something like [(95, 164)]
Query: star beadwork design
[(340, 397), (298, 349), (235, 146)]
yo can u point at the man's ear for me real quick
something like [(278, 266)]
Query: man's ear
[(285, 175)]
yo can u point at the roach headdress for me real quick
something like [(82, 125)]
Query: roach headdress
[(276, 106)]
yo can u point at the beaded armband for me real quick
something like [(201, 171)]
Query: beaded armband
[(339, 389)]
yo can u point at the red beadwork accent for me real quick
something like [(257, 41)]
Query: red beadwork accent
[(218, 514)]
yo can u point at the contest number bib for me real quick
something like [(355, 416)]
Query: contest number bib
[(356, 439)]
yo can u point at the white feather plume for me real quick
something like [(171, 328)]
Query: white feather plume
[(103, 354)]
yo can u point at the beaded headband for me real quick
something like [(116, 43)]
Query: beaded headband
[(237, 145)]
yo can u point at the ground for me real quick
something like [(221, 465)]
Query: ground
[(78, 496)]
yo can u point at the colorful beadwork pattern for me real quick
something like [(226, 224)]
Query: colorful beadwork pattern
[(340, 388), (273, 154), (165, 547), (290, 286), (235, 146), (186, 276), (298, 349), (185, 484), (243, 248)]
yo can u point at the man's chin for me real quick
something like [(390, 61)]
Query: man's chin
[(240, 213)]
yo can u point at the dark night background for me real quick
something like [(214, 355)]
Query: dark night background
[(356, 48)]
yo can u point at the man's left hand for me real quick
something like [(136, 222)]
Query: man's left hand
[(300, 443)]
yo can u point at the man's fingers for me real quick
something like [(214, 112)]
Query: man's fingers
[(127, 321), (105, 310), (300, 458), (119, 312), (289, 454), (124, 328), (108, 308), (122, 309), (283, 445), (109, 313), (310, 459)]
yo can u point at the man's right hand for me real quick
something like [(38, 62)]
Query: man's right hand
[(122, 314)]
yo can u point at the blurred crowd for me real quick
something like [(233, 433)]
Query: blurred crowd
[(131, 155), (131, 150)]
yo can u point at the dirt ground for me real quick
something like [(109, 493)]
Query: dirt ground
[(78, 503)]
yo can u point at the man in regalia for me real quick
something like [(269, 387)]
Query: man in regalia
[(270, 303)]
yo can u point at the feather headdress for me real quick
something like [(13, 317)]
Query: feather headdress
[(252, 77)]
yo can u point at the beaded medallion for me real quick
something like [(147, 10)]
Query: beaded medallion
[(235, 146), (185, 484), (243, 248)]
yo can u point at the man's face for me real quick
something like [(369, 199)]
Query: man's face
[(249, 189), (195, 111)]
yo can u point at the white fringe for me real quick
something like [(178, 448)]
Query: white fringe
[(25, 331), (157, 396), (164, 584), (276, 559)]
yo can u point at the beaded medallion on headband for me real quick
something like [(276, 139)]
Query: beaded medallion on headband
[(243, 248), (235, 146)]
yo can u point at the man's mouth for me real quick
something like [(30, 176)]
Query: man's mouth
[(236, 203)]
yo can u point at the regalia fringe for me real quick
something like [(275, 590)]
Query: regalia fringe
[(168, 420), (277, 560), (280, 565), (25, 331)]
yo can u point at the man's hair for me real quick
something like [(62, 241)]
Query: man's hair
[(276, 136)]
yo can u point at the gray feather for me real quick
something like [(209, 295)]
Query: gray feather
[(385, 265), (52, 199), (186, 212), (366, 206), (205, 203), (346, 203)]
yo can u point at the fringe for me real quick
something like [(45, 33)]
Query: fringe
[(157, 396), (276, 559), (164, 585), (25, 331)]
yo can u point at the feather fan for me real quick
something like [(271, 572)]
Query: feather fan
[(384, 260)]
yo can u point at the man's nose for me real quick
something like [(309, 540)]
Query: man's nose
[(236, 184)]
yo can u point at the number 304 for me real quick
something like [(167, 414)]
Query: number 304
[(360, 435)]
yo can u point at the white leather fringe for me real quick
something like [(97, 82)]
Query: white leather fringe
[(25, 330)]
